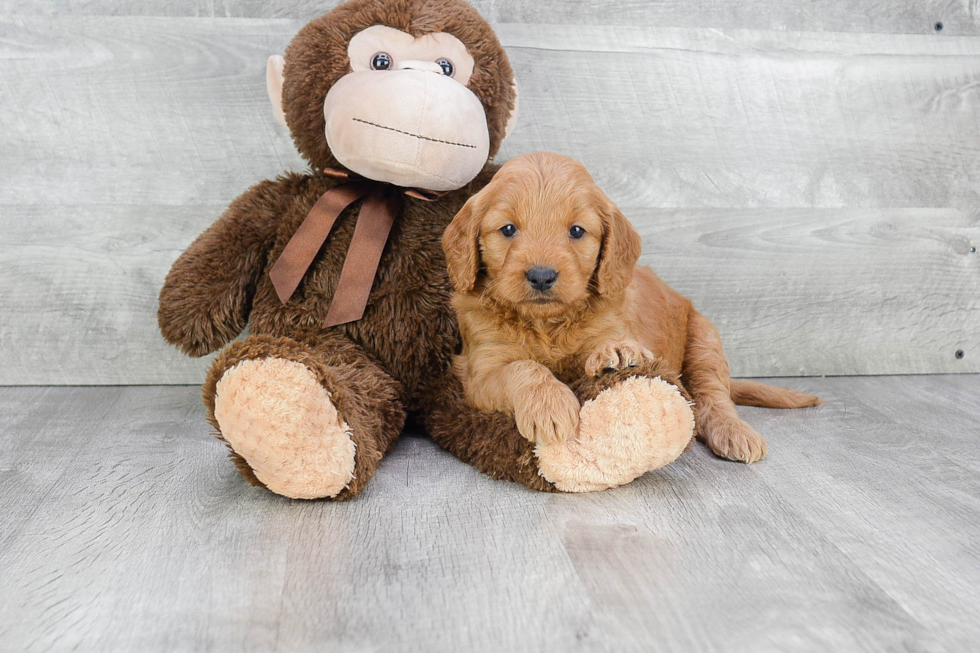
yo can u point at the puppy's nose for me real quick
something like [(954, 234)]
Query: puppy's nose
[(541, 278)]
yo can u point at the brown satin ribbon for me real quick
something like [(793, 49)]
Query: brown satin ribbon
[(374, 222)]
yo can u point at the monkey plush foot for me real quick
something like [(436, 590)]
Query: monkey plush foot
[(275, 415), (633, 427)]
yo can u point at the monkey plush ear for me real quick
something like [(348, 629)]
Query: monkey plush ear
[(273, 84), (620, 252), (512, 118), (461, 243)]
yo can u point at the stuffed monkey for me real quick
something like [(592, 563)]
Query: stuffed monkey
[(398, 106)]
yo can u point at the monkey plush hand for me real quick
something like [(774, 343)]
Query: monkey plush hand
[(398, 107)]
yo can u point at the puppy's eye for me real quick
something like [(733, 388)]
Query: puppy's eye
[(447, 67), (508, 230), (576, 232), (381, 61)]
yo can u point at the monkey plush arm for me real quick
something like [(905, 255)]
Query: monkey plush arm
[(207, 297)]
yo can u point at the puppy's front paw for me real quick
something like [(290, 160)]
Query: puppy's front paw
[(737, 441), (547, 413), (617, 356)]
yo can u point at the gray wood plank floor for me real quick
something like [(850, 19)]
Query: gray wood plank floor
[(124, 528)]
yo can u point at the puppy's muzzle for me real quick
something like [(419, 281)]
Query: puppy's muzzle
[(541, 278)]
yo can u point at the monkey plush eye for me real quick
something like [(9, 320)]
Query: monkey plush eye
[(381, 61), (508, 230), (447, 67), (576, 232)]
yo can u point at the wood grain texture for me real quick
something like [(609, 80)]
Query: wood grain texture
[(174, 111), (122, 138), (745, 119), (789, 289), (80, 297), (127, 530), (801, 291), (886, 16), (150, 111)]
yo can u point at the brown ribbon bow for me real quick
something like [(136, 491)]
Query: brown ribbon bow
[(381, 204)]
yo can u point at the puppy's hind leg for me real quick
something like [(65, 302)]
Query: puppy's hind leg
[(706, 375)]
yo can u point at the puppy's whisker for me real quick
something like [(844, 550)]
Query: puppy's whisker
[(486, 299)]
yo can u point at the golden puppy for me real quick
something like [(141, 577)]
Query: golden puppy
[(544, 266)]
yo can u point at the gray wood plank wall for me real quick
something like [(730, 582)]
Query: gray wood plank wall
[(808, 172), (891, 17)]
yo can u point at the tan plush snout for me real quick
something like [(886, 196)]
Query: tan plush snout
[(407, 127)]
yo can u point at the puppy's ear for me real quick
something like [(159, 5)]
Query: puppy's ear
[(621, 247), (461, 243)]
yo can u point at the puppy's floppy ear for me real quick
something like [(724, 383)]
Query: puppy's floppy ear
[(461, 244), (621, 247)]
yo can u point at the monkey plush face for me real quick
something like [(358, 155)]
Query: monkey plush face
[(404, 114), (417, 93)]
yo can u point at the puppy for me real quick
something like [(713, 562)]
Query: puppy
[(544, 267)]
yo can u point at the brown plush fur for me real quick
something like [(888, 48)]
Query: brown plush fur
[(602, 313)]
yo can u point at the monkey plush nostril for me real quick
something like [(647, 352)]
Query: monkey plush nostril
[(427, 66), (541, 278)]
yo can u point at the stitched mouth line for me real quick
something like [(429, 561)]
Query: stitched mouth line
[(424, 138)]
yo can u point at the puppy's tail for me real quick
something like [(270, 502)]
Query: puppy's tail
[(753, 393)]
